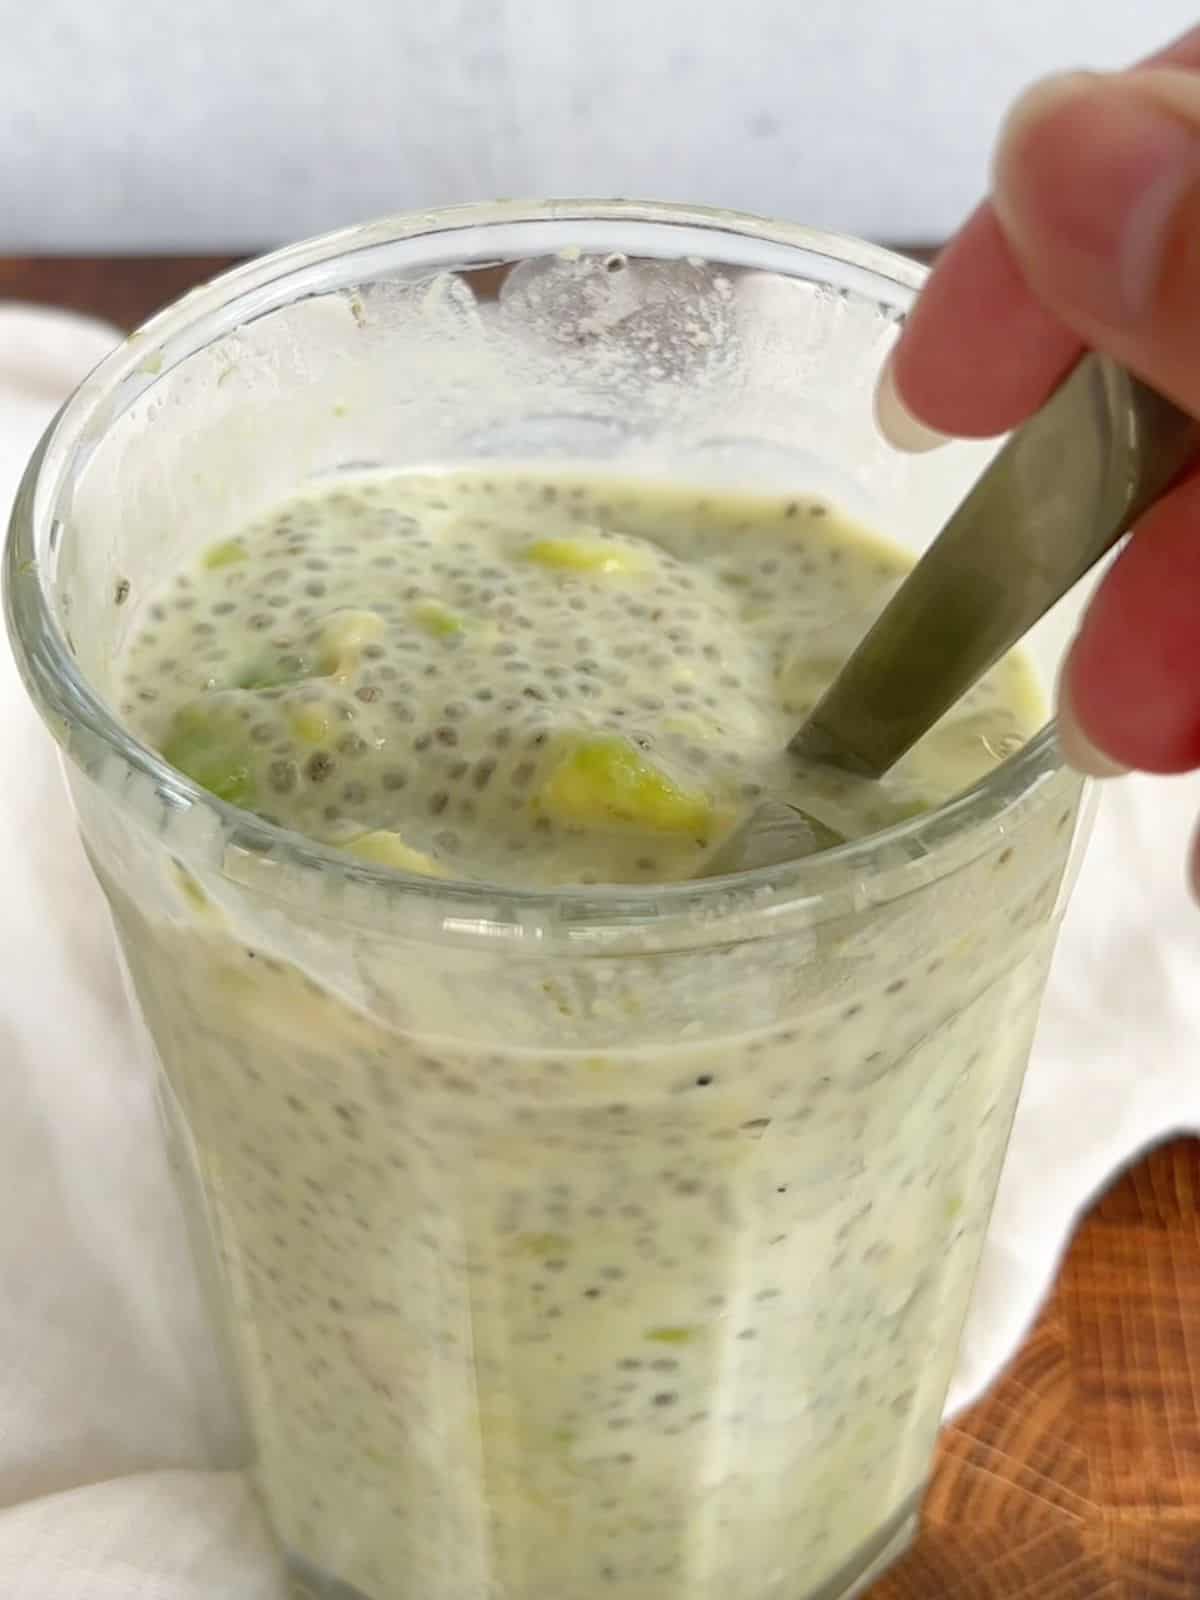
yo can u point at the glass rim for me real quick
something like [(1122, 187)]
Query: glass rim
[(61, 692)]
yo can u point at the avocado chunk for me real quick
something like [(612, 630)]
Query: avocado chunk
[(343, 638), (387, 849), (278, 671), (605, 557), (207, 741), (311, 721), (437, 619), (225, 554), (607, 782)]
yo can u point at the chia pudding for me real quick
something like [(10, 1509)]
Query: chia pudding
[(534, 681), (548, 1280)]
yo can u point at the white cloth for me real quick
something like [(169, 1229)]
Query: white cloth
[(109, 1399)]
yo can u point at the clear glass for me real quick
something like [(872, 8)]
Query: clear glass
[(603, 1242)]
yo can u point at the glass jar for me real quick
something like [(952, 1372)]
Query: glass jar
[(608, 1241)]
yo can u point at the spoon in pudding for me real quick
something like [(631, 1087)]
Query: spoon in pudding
[(1061, 491)]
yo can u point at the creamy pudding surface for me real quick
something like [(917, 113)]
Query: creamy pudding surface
[(534, 680)]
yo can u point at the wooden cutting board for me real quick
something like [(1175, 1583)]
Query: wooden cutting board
[(1078, 1476)]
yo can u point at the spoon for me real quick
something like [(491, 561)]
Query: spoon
[(1062, 490)]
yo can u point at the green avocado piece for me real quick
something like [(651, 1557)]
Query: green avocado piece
[(344, 634), (437, 619), (606, 781), (604, 557), (274, 672), (388, 849), (224, 554), (207, 741)]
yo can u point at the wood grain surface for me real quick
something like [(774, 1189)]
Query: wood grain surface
[(1078, 1476), (123, 289)]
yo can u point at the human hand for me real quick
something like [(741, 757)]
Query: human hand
[(1091, 237)]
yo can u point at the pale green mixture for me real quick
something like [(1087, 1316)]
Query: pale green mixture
[(534, 680), (543, 1288)]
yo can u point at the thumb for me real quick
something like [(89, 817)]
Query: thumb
[(1097, 188)]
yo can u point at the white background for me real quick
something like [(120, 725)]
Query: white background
[(169, 124)]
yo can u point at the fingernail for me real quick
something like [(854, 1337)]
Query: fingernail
[(1076, 748), (1042, 98), (1088, 173), (896, 422)]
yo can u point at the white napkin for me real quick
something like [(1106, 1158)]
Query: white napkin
[(110, 1403)]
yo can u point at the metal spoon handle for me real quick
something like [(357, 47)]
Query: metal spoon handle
[(1059, 494)]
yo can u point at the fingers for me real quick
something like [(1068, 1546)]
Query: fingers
[(1098, 190), (1181, 52), (1129, 693), (980, 350), (1092, 238)]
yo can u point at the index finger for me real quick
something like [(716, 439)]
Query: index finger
[(979, 351)]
